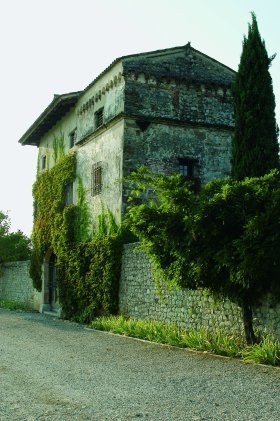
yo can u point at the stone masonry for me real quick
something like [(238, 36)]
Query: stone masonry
[(16, 284), (140, 298)]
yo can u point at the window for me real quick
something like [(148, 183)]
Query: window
[(99, 117), (72, 138), (68, 194), (96, 179), (44, 162), (186, 167)]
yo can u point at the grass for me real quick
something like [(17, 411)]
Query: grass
[(265, 352), (170, 334), (13, 305)]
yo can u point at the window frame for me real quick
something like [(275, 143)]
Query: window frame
[(189, 164), (192, 173), (99, 118), (72, 138), (44, 162), (96, 178)]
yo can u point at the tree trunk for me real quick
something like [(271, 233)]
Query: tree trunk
[(248, 322)]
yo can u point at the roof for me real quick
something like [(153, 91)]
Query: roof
[(173, 50), (59, 106)]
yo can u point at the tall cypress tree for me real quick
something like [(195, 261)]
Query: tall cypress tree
[(255, 147)]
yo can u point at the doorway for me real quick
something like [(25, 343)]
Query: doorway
[(53, 289)]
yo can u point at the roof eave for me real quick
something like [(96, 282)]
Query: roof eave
[(55, 110)]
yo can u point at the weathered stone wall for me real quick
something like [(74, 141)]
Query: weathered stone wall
[(107, 92), (140, 298), (178, 106), (182, 85), (160, 146), (179, 63), (105, 148), (16, 284), (189, 103)]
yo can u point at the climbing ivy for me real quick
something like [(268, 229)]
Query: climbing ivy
[(83, 221), (88, 265), (58, 146), (89, 278), (52, 226)]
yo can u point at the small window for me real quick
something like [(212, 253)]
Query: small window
[(99, 117), (68, 194), (96, 179), (44, 162), (72, 138), (186, 167)]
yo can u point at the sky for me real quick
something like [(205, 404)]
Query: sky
[(57, 46)]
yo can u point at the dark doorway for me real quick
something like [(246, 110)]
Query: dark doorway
[(53, 290)]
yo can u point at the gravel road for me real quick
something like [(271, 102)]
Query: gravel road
[(56, 370)]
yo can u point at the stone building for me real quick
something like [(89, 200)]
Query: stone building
[(169, 109)]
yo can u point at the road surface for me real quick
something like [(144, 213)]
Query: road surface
[(52, 370)]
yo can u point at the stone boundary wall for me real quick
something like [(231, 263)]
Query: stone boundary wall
[(141, 299), (16, 284)]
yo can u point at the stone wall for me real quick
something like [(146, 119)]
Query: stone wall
[(16, 284), (140, 299), (161, 146)]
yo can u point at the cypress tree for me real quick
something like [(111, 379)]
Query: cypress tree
[(255, 147)]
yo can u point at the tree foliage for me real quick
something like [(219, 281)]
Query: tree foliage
[(14, 246), (226, 239), (255, 148)]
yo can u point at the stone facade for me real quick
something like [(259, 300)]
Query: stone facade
[(141, 298), (16, 284)]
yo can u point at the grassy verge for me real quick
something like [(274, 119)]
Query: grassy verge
[(170, 334), (266, 352), (13, 305)]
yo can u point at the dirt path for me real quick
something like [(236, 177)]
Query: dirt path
[(56, 370)]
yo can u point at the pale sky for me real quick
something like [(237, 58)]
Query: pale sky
[(60, 46)]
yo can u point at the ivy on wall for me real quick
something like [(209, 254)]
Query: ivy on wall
[(52, 226), (58, 146), (83, 225), (89, 278), (88, 265)]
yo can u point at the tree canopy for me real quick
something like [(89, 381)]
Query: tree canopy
[(255, 147), (225, 239), (14, 246)]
